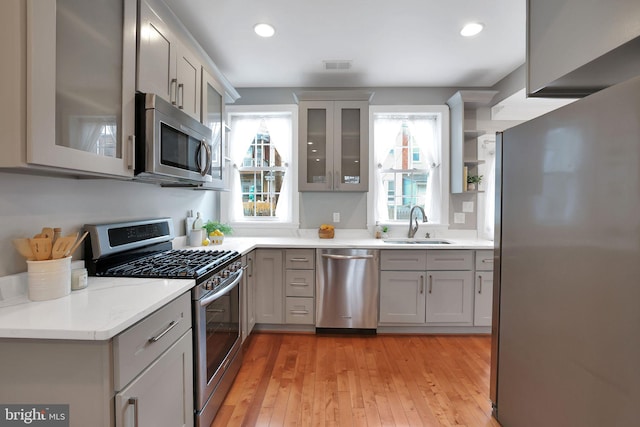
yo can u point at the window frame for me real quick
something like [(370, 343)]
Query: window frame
[(226, 198), (442, 111)]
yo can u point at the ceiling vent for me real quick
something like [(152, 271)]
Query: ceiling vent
[(337, 65)]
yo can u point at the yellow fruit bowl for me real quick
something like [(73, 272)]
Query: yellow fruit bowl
[(326, 231), (216, 239)]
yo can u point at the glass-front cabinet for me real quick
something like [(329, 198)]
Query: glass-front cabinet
[(213, 117), (333, 146), (81, 85)]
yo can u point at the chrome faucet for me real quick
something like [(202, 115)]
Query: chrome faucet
[(412, 229)]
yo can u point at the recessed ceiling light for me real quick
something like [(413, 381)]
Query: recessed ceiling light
[(264, 30), (471, 29)]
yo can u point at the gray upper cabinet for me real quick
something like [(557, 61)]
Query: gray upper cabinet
[(212, 111), (575, 47), (333, 144), (464, 135), (166, 66), (69, 74)]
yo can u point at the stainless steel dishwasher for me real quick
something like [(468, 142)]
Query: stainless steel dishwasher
[(347, 290)]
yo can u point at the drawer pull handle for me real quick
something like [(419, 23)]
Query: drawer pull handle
[(430, 283), (299, 311), (479, 284), (299, 284), (449, 259), (299, 259), (421, 284), (487, 261), (165, 332), (134, 401)]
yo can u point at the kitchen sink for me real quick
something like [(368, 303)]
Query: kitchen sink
[(405, 241)]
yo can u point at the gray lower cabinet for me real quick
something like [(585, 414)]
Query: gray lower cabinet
[(483, 295), (300, 286), (109, 383), (269, 279), (402, 297), (162, 394), (449, 297), (424, 287), (248, 295)]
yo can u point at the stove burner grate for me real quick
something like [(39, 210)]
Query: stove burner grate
[(173, 264)]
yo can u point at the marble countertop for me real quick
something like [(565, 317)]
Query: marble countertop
[(108, 306), (246, 244)]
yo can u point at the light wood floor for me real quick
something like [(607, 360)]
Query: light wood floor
[(384, 380)]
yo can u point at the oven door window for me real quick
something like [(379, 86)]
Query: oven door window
[(223, 329), (178, 149)]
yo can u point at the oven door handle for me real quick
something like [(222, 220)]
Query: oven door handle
[(209, 298)]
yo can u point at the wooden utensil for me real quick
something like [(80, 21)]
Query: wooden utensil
[(41, 248), (75, 246), (24, 248), (47, 232), (62, 245)]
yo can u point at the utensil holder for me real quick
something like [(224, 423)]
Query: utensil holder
[(49, 279), (196, 237)]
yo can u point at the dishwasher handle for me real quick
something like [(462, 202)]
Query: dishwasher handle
[(330, 256)]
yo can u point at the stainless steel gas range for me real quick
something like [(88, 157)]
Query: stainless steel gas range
[(144, 249)]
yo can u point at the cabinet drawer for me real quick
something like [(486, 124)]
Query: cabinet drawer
[(299, 259), (484, 260), (450, 260), (299, 283), (399, 259), (299, 311), (138, 346)]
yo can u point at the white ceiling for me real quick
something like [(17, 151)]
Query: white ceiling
[(401, 43)]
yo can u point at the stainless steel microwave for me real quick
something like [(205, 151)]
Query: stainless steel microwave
[(171, 146)]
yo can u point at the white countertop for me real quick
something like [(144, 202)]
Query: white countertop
[(246, 244), (108, 306)]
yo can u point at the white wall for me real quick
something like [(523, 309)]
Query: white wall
[(28, 203)]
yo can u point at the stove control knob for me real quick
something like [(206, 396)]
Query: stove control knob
[(215, 281), (235, 266), (225, 273)]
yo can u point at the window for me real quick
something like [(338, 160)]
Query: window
[(261, 144), (261, 176), (411, 159)]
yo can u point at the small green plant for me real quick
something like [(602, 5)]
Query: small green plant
[(474, 178), (212, 226), (385, 228)]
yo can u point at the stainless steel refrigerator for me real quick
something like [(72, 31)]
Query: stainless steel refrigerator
[(567, 295)]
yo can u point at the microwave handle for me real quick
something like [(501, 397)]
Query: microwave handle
[(207, 169), (204, 169)]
